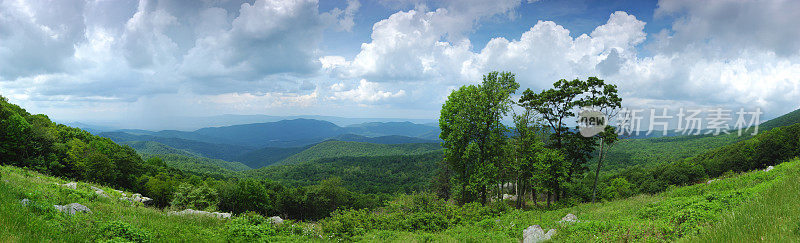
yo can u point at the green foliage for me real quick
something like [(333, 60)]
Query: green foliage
[(267, 156), (335, 149), (617, 188), (117, 231), (473, 134), (414, 213), (202, 197), (200, 165), (378, 174)]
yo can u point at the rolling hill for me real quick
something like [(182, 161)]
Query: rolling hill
[(286, 133), (334, 149), (209, 150), (389, 139), (658, 150), (368, 174), (409, 129), (268, 156)]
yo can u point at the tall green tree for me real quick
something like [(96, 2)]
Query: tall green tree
[(557, 107), (473, 134), (604, 98)]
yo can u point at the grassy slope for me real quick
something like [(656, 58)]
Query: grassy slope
[(333, 149), (39, 222), (743, 207), (773, 216), (708, 212)]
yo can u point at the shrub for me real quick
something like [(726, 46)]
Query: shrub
[(117, 231), (201, 198), (249, 228)]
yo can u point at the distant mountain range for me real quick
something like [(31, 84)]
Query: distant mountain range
[(261, 144), (194, 123)]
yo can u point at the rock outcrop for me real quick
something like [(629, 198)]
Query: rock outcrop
[(99, 192), (138, 198), (276, 220), (72, 208), (569, 218), (202, 213), (71, 185), (535, 233)]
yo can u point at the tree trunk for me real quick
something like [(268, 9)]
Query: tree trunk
[(549, 195), (534, 196), (597, 172), (517, 192), (483, 194)]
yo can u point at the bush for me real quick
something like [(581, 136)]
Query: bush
[(117, 231), (200, 198)]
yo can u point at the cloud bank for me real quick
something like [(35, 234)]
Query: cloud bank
[(99, 59)]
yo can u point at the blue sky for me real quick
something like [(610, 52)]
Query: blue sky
[(142, 63)]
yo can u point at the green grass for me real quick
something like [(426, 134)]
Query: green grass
[(773, 216), (699, 212), (110, 217), (746, 207)]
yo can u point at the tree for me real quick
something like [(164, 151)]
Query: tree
[(602, 97), (473, 135), (556, 105)]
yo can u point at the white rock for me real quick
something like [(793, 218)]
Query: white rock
[(72, 208), (569, 218), (276, 220), (25, 202), (147, 201), (769, 168), (71, 185), (202, 213), (534, 234)]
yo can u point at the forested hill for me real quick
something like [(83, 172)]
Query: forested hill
[(291, 133), (651, 151), (206, 149), (334, 149)]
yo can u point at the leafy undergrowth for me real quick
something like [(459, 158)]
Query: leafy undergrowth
[(740, 207)]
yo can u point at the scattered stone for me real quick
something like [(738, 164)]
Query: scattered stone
[(120, 192), (24, 202), (535, 233), (147, 201), (71, 185), (276, 220), (72, 208), (769, 168), (509, 197), (202, 213), (99, 192), (712, 180), (569, 218), (138, 198)]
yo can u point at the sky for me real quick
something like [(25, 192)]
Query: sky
[(144, 63)]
